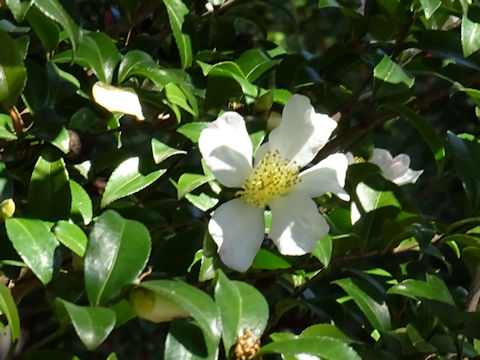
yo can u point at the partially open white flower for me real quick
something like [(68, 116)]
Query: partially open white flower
[(237, 226), (396, 169)]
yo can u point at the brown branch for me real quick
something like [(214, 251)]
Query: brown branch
[(355, 133), (474, 290)]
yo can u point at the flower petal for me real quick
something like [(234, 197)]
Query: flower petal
[(227, 149), (296, 224), (238, 229), (326, 176), (302, 132), (116, 99), (410, 176)]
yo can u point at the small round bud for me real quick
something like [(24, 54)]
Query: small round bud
[(7, 208)]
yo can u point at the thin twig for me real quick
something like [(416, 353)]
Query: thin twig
[(474, 290)]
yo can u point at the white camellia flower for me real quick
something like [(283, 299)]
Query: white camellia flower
[(238, 226), (396, 169)]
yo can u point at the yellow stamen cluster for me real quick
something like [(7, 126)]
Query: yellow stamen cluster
[(359, 160), (273, 176), (246, 346)]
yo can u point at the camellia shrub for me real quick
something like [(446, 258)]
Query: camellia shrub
[(239, 180)]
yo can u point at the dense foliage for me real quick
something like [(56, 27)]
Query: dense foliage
[(106, 193)]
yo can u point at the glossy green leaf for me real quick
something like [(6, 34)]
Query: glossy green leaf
[(266, 260), (323, 250), (326, 348), (241, 307), (189, 182), (254, 63), (117, 252), (374, 309), (19, 8), (427, 131), (128, 179), (9, 309), (198, 304), (177, 11), (13, 74), (139, 63), (54, 10), (81, 203), (325, 330), (72, 236), (49, 195), (470, 36), (231, 70), (192, 130), (45, 29), (6, 128), (162, 151), (35, 244), (390, 78), (92, 323), (112, 356), (98, 52), (433, 289), (176, 96), (430, 6), (202, 201)]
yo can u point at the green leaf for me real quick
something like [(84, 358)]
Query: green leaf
[(35, 244), (433, 289), (13, 74), (241, 307), (128, 179), (117, 252), (470, 36), (176, 96), (72, 236), (81, 203), (325, 330), (49, 195), (112, 356), (192, 130), (466, 157), (177, 12), (189, 182), (325, 347), (430, 6), (45, 29), (231, 70), (202, 201), (55, 11), (137, 62), (98, 52), (254, 63), (390, 78), (9, 309), (427, 131), (162, 151), (19, 8), (186, 341), (6, 127), (323, 250), (92, 323), (198, 304), (266, 260), (374, 309)]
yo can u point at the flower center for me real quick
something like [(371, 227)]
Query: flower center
[(359, 160), (273, 176)]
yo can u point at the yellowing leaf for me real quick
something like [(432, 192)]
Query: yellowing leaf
[(116, 99)]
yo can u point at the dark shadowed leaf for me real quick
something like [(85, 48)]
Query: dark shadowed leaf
[(9, 309)]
